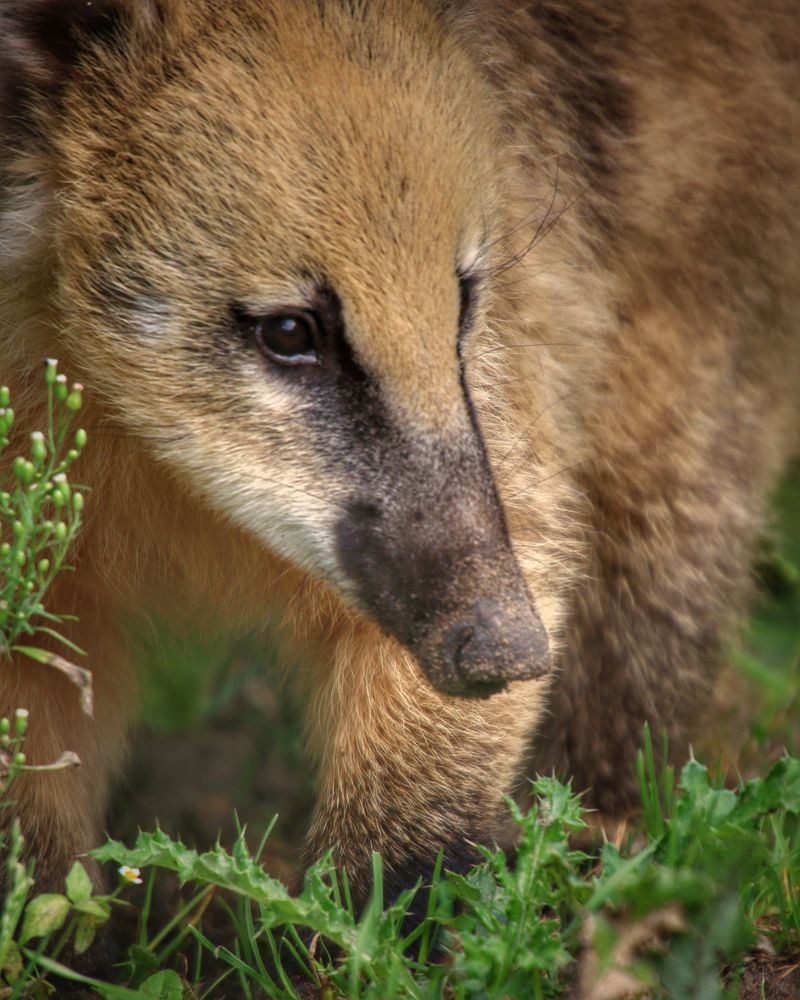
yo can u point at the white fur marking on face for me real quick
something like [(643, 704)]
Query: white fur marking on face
[(291, 518), (23, 221), (473, 260), (151, 316), (272, 489)]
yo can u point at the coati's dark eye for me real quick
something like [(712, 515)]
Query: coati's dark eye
[(288, 338)]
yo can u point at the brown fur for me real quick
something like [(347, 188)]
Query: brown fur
[(624, 182)]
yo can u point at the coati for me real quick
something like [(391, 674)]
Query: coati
[(463, 332)]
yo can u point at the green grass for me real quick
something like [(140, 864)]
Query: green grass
[(673, 907), (770, 654)]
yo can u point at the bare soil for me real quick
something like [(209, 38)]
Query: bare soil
[(770, 977)]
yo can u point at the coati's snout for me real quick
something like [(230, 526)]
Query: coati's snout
[(438, 573)]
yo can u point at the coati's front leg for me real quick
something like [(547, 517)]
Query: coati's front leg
[(404, 769)]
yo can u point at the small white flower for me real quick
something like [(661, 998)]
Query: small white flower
[(130, 874), (22, 713)]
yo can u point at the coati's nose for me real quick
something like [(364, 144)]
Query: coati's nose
[(481, 655), (430, 560)]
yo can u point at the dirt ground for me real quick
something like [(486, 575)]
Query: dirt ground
[(245, 760), (767, 977)]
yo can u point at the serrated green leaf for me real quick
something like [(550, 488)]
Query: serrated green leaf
[(701, 799), (780, 789), (143, 960), (79, 885), (244, 876), (43, 915)]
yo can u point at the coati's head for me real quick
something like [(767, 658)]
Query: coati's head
[(272, 223)]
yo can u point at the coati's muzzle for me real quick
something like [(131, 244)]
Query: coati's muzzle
[(431, 562)]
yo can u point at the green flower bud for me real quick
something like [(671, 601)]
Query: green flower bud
[(77, 502), (50, 367), (38, 447), (80, 438), (43, 566), (19, 759), (19, 530), (58, 498), (72, 455), (5, 726), (61, 390), (23, 470), (74, 400), (4, 741), (5, 548), (61, 531), (5, 395), (20, 721), (20, 557), (62, 485)]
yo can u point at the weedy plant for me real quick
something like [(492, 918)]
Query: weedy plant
[(718, 867), (40, 514)]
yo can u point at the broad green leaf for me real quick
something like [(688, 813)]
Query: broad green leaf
[(98, 909), (43, 915), (164, 985), (85, 930), (79, 885)]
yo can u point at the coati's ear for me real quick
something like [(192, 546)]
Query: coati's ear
[(42, 40), (42, 45)]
